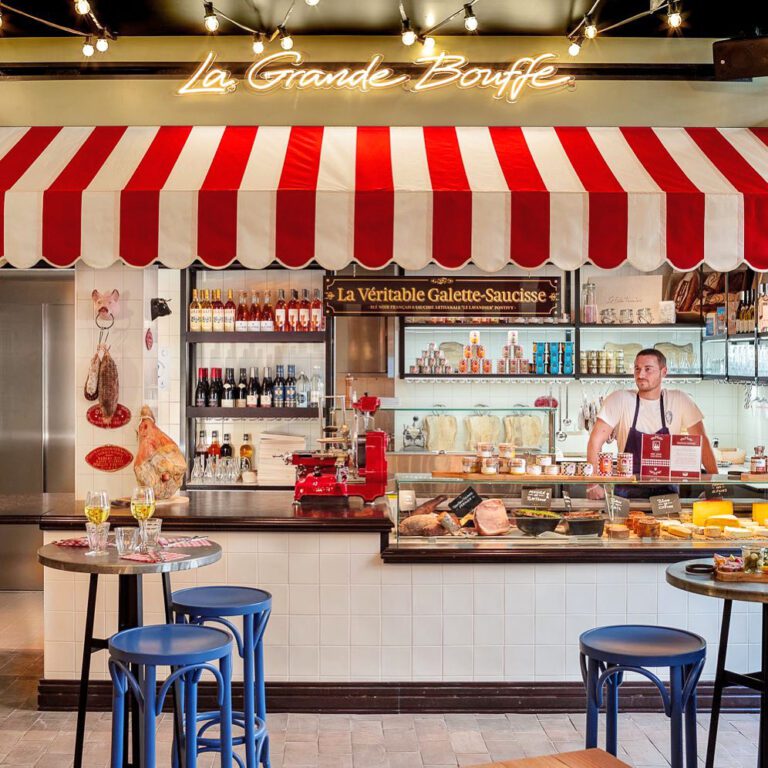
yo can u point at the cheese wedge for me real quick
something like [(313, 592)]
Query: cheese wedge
[(713, 531), (736, 533), (680, 531), (703, 510), (724, 520)]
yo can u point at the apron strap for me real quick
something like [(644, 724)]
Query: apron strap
[(637, 411), (663, 413)]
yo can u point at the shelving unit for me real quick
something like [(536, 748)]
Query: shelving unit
[(249, 414), (256, 337)]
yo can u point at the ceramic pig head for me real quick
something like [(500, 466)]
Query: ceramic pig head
[(106, 304)]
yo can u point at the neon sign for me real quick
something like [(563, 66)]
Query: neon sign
[(264, 75)]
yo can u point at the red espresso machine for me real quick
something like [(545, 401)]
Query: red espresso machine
[(347, 463)]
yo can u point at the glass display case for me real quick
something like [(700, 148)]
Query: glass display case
[(510, 512)]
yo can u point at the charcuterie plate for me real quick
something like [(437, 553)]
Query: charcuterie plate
[(109, 458), (741, 577), (120, 417)]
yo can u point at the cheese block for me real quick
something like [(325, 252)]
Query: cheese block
[(736, 533), (723, 521), (760, 512), (680, 531), (713, 531), (703, 510)]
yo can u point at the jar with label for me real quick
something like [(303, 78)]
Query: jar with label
[(753, 558), (485, 450), (469, 464), (489, 466), (758, 465)]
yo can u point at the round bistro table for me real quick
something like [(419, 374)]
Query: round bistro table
[(705, 584), (129, 614)]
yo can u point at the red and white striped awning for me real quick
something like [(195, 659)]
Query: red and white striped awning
[(410, 195)]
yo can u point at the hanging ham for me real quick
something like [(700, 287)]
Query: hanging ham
[(159, 462)]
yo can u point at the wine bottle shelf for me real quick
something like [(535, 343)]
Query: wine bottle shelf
[(256, 337), (251, 413)]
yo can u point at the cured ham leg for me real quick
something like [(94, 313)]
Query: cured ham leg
[(491, 518), (159, 464)]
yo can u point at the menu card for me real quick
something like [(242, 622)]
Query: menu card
[(685, 457), (655, 457)]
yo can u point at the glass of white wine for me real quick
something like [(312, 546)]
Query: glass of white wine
[(97, 509), (142, 508)]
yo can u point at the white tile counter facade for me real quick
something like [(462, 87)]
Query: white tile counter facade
[(340, 614)]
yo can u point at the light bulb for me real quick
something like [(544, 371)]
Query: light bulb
[(286, 41), (429, 44), (88, 47), (211, 20), (470, 20), (258, 44), (102, 44), (82, 7), (408, 35), (1, 19), (590, 29), (574, 48), (675, 20), (311, 3)]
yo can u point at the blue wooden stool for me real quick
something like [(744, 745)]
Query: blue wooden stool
[(202, 605), (608, 652), (190, 651)]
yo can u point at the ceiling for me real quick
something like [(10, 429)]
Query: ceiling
[(703, 18)]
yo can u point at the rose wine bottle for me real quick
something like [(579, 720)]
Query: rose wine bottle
[(254, 313), (267, 314), (305, 311), (293, 312), (243, 316), (281, 317), (316, 318), (230, 312)]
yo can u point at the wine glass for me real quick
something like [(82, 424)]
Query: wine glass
[(96, 510), (142, 508)]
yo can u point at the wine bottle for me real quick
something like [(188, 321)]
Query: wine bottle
[(316, 388), (290, 388), (226, 447), (228, 396), (281, 317), (305, 311), (267, 314), (762, 309), (241, 399), (201, 447), (195, 314), (278, 389), (254, 313), (292, 312), (202, 391), (216, 390), (243, 316), (302, 391), (316, 318), (218, 312), (206, 313), (254, 389), (266, 390), (230, 312)]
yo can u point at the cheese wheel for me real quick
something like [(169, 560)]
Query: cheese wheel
[(703, 510), (724, 520), (760, 512)]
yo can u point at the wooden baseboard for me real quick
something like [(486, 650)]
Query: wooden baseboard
[(540, 698)]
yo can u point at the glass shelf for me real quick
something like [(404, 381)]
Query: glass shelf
[(475, 409)]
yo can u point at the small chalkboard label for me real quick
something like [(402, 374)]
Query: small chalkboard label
[(717, 491), (616, 506), (465, 502), (537, 498), (665, 505), (567, 500)]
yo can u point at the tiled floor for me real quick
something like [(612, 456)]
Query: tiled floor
[(46, 739)]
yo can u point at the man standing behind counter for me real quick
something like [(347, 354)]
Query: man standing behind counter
[(651, 410)]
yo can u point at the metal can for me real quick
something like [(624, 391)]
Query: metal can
[(474, 365), (507, 351), (605, 464), (463, 365), (585, 469), (568, 468), (487, 366), (467, 351), (625, 464), (474, 337), (501, 366), (479, 350)]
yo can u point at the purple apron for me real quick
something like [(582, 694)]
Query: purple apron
[(634, 445)]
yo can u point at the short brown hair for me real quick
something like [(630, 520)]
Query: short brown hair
[(662, 361)]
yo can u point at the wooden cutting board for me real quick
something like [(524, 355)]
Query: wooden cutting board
[(554, 478), (741, 577), (749, 478), (124, 502)]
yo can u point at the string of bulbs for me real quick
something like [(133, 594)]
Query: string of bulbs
[(587, 29), (211, 16), (83, 9)]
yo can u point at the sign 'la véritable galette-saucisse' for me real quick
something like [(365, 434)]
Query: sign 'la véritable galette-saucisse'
[(522, 296)]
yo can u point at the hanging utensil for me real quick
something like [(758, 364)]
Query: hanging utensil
[(561, 436), (567, 421)]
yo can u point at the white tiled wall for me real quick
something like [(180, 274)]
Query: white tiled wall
[(340, 614), (135, 364)]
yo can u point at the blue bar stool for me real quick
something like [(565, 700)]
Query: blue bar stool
[(608, 652), (202, 605), (190, 651)]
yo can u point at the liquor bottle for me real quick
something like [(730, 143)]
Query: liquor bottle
[(281, 317), (278, 389), (195, 314), (230, 311), (201, 447), (202, 391), (215, 393), (302, 391), (218, 312), (266, 390), (762, 309), (254, 389), (316, 317), (267, 314), (292, 312), (290, 388), (214, 449), (254, 313), (241, 395), (316, 388), (305, 311), (226, 447), (246, 453), (206, 313), (228, 396), (243, 316)]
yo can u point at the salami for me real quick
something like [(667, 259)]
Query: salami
[(109, 385), (91, 388)]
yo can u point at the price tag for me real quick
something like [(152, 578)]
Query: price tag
[(717, 491), (665, 505), (465, 502), (537, 498), (616, 506)]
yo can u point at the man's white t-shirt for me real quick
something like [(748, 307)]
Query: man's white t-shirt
[(619, 409)]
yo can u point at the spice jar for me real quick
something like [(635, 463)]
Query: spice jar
[(489, 466), (517, 466), (506, 450), (485, 450), (469, 464)]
